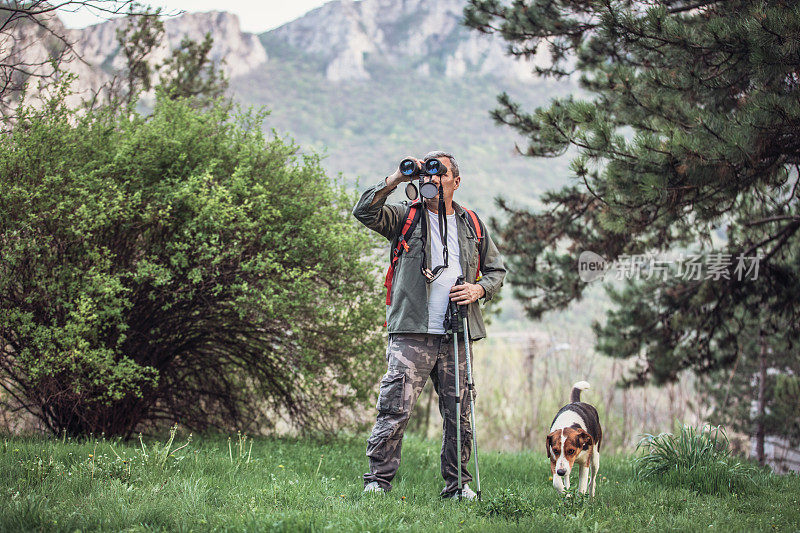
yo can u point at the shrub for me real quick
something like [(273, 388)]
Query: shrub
[(177, 267), (696, 459), (508, 505)]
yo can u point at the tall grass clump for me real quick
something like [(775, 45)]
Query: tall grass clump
[(696, 459)]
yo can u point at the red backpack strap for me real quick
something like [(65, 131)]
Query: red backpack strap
[(412, 217), (475, 223), (476, 226)]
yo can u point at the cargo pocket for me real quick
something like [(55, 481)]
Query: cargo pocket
[(391, 396)]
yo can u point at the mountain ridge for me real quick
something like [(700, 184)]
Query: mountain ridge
[(345, 32), (345, 39)]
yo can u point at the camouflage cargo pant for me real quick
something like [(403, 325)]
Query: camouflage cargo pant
[(412, 358)]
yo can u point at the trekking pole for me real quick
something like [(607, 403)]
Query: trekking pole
[(471, 391), (453, 323)]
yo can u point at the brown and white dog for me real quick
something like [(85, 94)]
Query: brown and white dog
[(575, 436)]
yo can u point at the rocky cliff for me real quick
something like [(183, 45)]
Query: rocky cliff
[(421, 36), (241, 51), (95, 54)]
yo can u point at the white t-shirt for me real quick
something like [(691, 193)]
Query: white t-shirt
[(440, 287)]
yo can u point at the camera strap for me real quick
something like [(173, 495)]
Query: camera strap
[(431, 275)]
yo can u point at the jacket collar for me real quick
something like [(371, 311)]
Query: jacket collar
[(459, 210)]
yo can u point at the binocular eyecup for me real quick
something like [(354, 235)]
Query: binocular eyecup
[(431, 167)]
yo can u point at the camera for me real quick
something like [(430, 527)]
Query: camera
[(427, 188)]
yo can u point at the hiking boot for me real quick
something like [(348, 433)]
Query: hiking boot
[(466, 494), (374, 487)]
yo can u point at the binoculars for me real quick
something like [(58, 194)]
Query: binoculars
[(427, 188)]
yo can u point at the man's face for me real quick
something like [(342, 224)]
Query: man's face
[(449, 183)]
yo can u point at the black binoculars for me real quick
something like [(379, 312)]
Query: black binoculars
[(431, 167)]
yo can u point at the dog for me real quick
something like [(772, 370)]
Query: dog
[(575, 437)]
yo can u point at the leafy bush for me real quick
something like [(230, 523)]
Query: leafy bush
[(699, 460), (177, 267), (508, 505)]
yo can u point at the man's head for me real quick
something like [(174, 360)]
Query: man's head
[(451, 180)]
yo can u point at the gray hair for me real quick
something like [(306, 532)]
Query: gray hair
[(440, 153)]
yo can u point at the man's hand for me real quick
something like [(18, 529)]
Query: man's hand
[(391, 184), (466, 293), (395, 179)]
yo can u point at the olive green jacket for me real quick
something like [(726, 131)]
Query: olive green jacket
[(408, 311)]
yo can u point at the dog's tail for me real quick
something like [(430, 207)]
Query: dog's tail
[(576, 391)]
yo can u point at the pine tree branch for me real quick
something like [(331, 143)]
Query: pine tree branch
[(596, 196), (691, 6), (787, 232), (792, 227), (772, 219)]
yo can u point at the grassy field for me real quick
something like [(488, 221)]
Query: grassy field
[(312, 485)]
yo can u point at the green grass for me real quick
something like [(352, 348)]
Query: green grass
[(315, 485), (698, 459)]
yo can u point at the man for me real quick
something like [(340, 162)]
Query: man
[(418, 346)]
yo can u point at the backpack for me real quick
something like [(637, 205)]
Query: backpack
[(412, 219)]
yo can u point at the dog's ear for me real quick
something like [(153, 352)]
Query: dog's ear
[(584, 440), (547, 443)]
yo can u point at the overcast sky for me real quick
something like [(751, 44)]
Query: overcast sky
[(254, 16)]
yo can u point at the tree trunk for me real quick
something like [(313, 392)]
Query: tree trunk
[(625, 418), (762, 378), (528, 423)]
